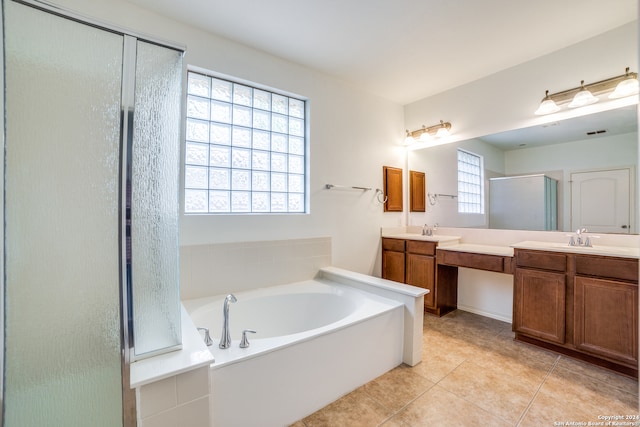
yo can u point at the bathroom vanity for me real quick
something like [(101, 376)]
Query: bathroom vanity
[(412, 260), (432, 262), (576, 300), (582, 303)]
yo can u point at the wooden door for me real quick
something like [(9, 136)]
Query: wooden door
[(393, 266), (600, 201), (421, 271), (417, 188), (392, 189), (606, 318), (539, 304)]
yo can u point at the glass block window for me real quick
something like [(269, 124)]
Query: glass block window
[(470, 183), (245, 149)]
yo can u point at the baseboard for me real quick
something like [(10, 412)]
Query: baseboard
[(484, 313)]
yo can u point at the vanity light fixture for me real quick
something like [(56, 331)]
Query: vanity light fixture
[(426, 133), (621, 86)]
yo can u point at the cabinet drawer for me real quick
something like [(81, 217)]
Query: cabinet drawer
[(541, 260), (607, 267), (422, 248), (393, 244), (471, 260)]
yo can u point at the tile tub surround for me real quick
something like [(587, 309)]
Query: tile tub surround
[(172, 389), (221, 268), (182, 400), (474, 374)]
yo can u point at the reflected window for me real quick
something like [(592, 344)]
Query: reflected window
[(470, 183), (245, 149)]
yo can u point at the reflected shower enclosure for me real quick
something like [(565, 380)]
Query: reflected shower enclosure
[(92, 153)]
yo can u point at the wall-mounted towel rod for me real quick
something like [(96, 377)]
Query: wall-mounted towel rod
[(348, 187), (379, 192), (433, 198)]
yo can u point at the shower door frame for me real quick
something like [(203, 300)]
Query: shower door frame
[(129, 414)]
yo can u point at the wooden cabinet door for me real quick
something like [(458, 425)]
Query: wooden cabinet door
[(393, 265), (392, 178), (417, 188), (606, 318), (539, 304), (421, 273)]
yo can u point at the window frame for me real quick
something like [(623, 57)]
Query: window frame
[(466, 197), (299, 156)]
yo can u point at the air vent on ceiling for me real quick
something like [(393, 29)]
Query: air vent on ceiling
[(596, 132)]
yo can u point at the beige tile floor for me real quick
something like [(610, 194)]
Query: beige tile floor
[(474, 374)]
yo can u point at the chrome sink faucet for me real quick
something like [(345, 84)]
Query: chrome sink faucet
[(578, 240), (225, 336), (428, 231)]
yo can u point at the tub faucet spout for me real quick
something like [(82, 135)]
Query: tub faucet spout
[(225, 336)]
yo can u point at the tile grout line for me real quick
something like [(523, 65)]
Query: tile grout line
[(394, 413), (419, 395), (474, 403), (403, 407), (524, 413)]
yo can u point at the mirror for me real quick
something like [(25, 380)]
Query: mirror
[(570, 151)]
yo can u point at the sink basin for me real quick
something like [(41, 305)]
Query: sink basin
[(594, 248)]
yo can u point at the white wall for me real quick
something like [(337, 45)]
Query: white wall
[(507, 99), (352, 135)]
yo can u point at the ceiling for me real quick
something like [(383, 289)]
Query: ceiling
[(402, 50)]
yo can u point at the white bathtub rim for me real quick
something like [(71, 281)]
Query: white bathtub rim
[(294, 340), (235, 354)]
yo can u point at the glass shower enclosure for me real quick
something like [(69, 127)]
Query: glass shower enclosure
[(91, 164)]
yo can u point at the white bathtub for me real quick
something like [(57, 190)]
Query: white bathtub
[(316, 341)]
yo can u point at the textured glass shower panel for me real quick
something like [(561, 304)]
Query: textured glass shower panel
[(155, 195), (63, 358)]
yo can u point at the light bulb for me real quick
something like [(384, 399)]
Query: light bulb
[(547, 106), (442, 132), (425, 137), (626, 87), (582, 98)]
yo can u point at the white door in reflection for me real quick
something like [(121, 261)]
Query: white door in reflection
[(600, 201)]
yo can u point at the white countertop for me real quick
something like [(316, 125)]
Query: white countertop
[(479, 249), (614, 245), (194, 354), (617, 251), (441, 239)]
